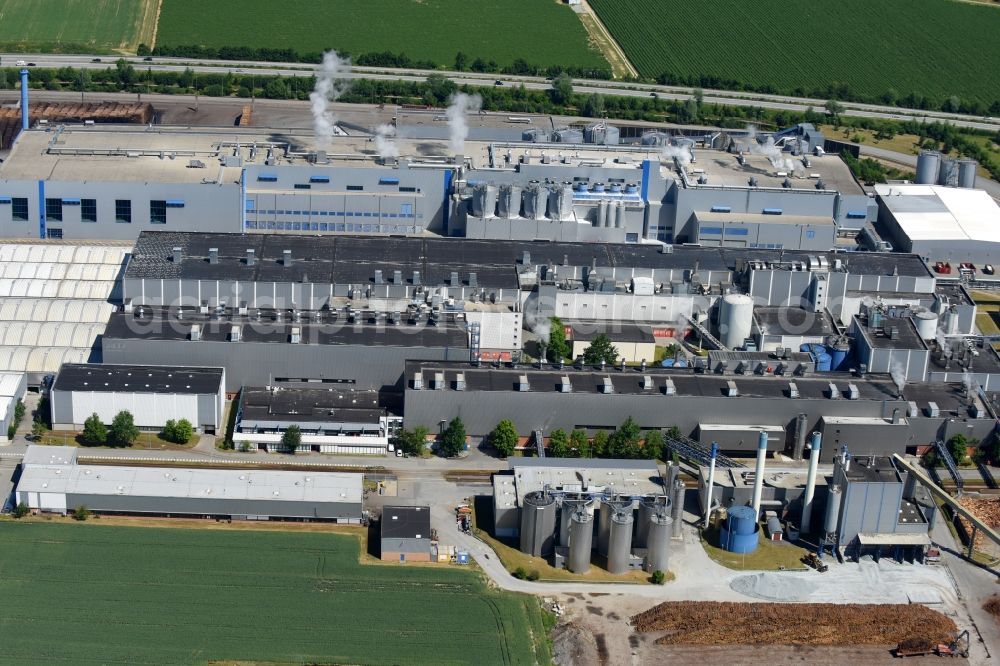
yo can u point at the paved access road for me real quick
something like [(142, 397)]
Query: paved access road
[(732, 98)]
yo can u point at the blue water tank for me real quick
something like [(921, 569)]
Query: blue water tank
[(805, 347), (681, 363), (823, 362), (668, 363), (838, 356), (739, 533)]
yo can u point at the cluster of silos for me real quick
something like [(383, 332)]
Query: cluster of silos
[(602, 133), (576, 532), (654, 138), (538, 524), (567, 135), (933, 169), (735, 319), (561, 202), (822, 359), (653, 532), (739, 533)]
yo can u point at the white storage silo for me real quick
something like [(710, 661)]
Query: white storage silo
[(735, 319), (927, 325)]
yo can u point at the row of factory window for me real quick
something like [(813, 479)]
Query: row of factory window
[(273, 178), (54, 208), (405, 212), (739, 231), (330, 226)]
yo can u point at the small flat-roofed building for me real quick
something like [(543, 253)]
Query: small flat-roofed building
[(893, 346), (53, 482), (13, 386), (633, 342), (331, 420), (405, 534), (153, 394)]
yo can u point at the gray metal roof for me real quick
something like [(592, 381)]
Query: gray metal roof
[(138, 378), (406, 522), (315, 406)]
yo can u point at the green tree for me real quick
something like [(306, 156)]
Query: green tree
[(599, 350), (439, 88), (958, 447), (461, 61), (291, 439), (834, 108), (21, 510), (658, 577), (653, 446), (594, 106), (186, 78), (952, 105), (579, 443), (276, 89), (412, 442), (599, 444), (178, 432), (624, 442), (125, 71), (123, 431), (82, 81), (558, 347), (142, 50), (81, 513), (504, 438), (453, 438), (94, 431), (559, 444), (890, 97), (562, 89)]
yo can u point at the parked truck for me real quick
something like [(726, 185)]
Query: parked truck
[(918, 647)]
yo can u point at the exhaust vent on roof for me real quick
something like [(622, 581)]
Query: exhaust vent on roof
[(522, 383), (852, 392), (932, 410), (178, 253), (250, 257), (397, 277), (295, 336), (834, 391), (195, 332), (731, 390), (793, 390), (418, 381), (213, 255), (564, 385), (647, 383), (460, 381), (378, 277), (438, 381), (607, 386), (235, 333), (669, 388), (911, 409), (416, 278), (286, 259)]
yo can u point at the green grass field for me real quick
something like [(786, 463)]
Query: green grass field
[(100, 26), (97, 594), (540, 31), (937, 48)]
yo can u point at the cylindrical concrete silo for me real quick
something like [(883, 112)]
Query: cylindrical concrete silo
[(602, 213), (927, 167), (658, 542), (967, 173), (739, 533), (509, 202), (927, 324), (948, 173), (540, 195), (833, 498), (581, 539), (529, 198), (647, 507), (538, 524), (619, 215), (677, 506), (569, 507), (735, 319), (620, 541)]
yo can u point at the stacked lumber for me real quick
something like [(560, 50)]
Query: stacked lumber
[(732, 623)]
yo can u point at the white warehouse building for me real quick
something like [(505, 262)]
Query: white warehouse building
[(153, 395), (13, 386)]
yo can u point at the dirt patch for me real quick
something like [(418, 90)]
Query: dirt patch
[(986, 510), (602, 649), (720, 623), (593, 610), (992, 606), (573, 645)]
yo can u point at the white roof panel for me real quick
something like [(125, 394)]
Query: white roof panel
[(945, 213), (10, 383)]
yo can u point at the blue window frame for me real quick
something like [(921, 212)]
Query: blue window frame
[(388, 180), (712, 231), (267, 177), (5, 200), (721, 209), (810, 233), (406, 210), (856, 215), (175, 203), (737, 231), (319, 179), (772, 211), (249, 204), (71, 201), (323, 226)]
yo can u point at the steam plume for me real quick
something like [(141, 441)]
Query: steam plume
[(385, 142), (459, 105), (898, 375), (681, 153), (328, 88)]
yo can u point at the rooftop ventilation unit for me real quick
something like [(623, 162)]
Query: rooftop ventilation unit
[(397, 277), (378, 277), (453, 279), (669, 388), (213, 255), (203, 308), (473, 280), (242, 309), (647, 383), (911, 409), (793, 390), (418, 381), (932, 410), (235, 333), (416, 278), (195, 332), (438, 381), (852, 392), (250, 257), (564, 385), (525, 258), (295, 336), (178, 253), (607, 386), (286, 257), (460, 381), (731, 390), (834, 391), (522, 383)]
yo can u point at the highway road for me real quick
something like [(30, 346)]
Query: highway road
[(732, 98)]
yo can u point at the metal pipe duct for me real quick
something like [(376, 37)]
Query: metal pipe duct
[(758, 477), (24, 101), (807, 500), (711, 483)]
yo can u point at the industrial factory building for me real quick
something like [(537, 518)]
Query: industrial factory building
[(405, 534), (564, 509), (55, 299), (871, 412), (52, 481), (331, 420), (152, 394), (13, 386), (726, 189)]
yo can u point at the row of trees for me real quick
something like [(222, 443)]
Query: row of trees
[(123, 431), (628, 441), (450, 443), (599, 350)]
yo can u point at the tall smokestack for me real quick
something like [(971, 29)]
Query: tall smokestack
[(24, 99), (711, 483), (678, 507), (807, 500), (758, 477)]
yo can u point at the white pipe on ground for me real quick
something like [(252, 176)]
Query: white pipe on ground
[(758, 477), (807, 500), (711, 483)]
